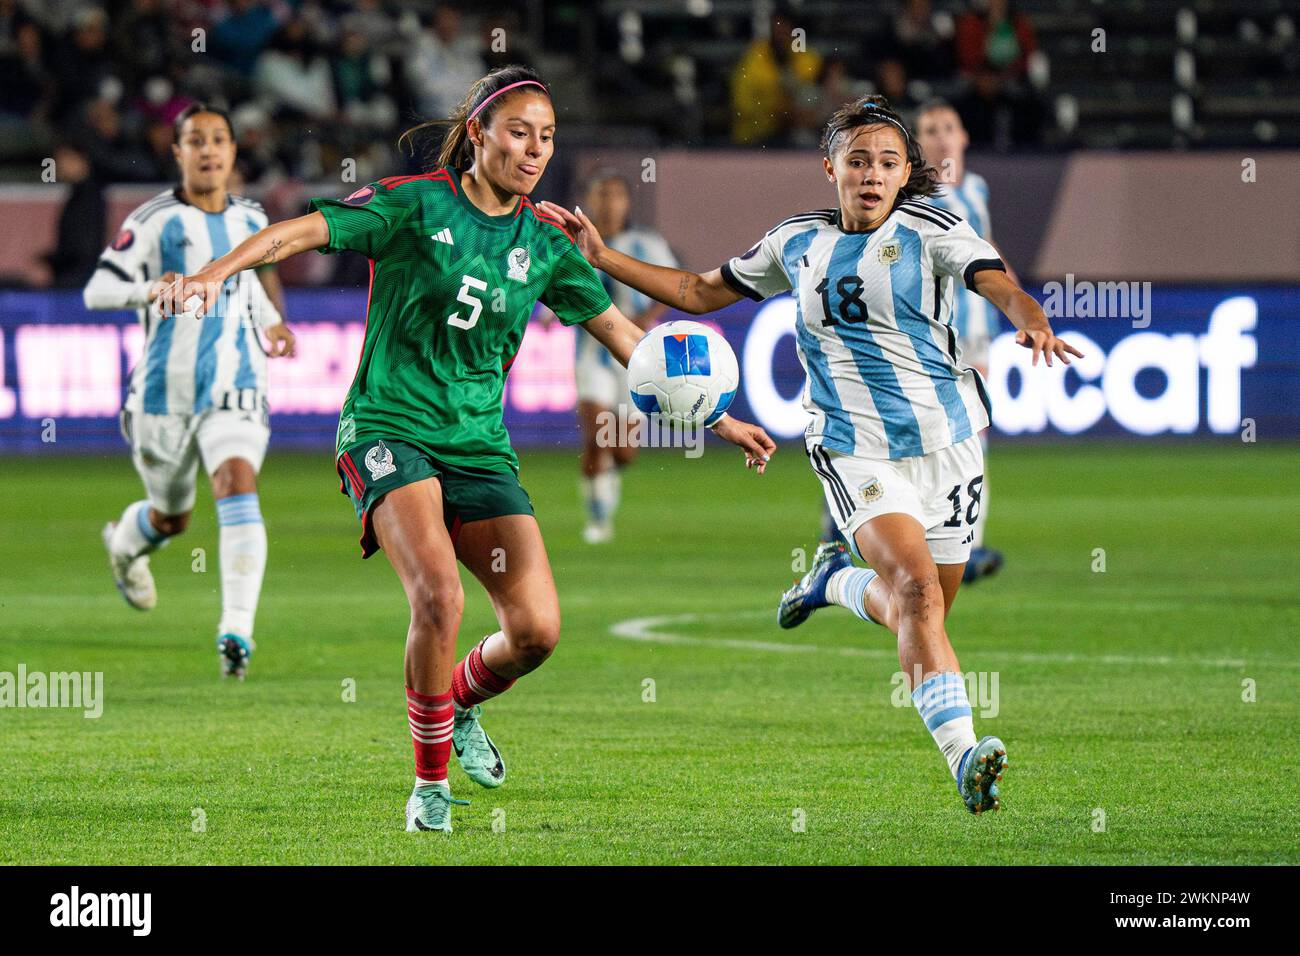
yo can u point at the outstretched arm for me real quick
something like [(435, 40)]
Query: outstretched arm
[(687, 291), (275, 243), (616, 332), (1033, 329)]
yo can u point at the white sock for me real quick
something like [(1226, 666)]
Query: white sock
[(432, 783), (615, 489), (847, 587), (945, 708), (978, 540), (601, 496), (243, 561), (134, 534), (588, 486)]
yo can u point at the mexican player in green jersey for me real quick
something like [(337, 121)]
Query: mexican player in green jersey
[(459, 257)]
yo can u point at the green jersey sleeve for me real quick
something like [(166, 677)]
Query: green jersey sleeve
[(364, 221), (575, 293)]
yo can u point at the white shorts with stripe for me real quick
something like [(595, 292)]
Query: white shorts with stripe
[(975, 351), (167, 449), (940, 490)]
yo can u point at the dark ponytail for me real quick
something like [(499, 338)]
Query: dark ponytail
[(455, 149), (875, 111)]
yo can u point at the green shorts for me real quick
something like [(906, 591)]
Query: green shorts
[(371, 469)]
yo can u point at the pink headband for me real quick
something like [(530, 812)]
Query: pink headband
[(504, 89)]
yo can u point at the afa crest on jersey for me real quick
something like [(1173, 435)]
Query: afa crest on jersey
[(517, 263), (890, 252)]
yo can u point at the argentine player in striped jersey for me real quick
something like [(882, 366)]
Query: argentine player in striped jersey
[(943, 141), (601, 381), (198, 392), (895, 413)]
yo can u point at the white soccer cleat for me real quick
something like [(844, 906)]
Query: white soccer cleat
[(598, 533), (131, 575)]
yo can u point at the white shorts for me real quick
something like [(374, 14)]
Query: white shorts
[(941, 490), (601, 382), (167, 449)]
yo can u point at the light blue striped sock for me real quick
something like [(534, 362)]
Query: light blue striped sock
[(134, 535), (239, 509), (848, 588), (945, 708), (145, 526), (243, 562)]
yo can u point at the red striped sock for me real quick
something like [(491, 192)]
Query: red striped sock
[(472, 682), (431, 719)]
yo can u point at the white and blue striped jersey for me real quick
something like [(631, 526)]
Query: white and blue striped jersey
[(974, 317), (188, 366), (640, 244), (874, 325)]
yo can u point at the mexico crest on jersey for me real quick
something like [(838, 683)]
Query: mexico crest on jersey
[(517, 263), (379, 461), (889, 252)]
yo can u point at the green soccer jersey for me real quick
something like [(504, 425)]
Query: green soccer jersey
[(451, 292)]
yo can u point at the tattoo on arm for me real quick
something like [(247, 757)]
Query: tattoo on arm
[(681, 289), (272, 252), (609, 325)]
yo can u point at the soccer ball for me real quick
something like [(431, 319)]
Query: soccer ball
[(683, 371)]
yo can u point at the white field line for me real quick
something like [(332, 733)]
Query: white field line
[(649, 630)]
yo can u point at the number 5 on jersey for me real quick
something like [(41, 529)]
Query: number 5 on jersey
[(466, 295)]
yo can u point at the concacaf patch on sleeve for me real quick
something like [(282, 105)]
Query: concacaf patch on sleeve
[(361, 196), (123, 240)]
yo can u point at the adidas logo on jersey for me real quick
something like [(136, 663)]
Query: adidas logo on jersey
[(443, 236)]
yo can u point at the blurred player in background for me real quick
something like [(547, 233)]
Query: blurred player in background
[(266, 274), (601, 381), (943, 141), (198, 392), (460, 258), (894, 435)]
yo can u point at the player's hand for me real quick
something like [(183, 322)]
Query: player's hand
[(757, 444), (1045, 343), (282, 342), (162, 282), (586, 235), (196, 294)]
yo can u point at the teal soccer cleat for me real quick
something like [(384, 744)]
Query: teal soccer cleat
[(234, 653), (809, 593), (978, 775), (429, 808), (478, 755)]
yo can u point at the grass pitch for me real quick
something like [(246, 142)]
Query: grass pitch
[(1149, 710)]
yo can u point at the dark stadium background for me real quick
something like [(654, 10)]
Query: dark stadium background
[(1136, 141)]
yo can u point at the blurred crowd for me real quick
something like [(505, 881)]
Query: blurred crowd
[(310, 82), (783, 89), (314, 85)]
